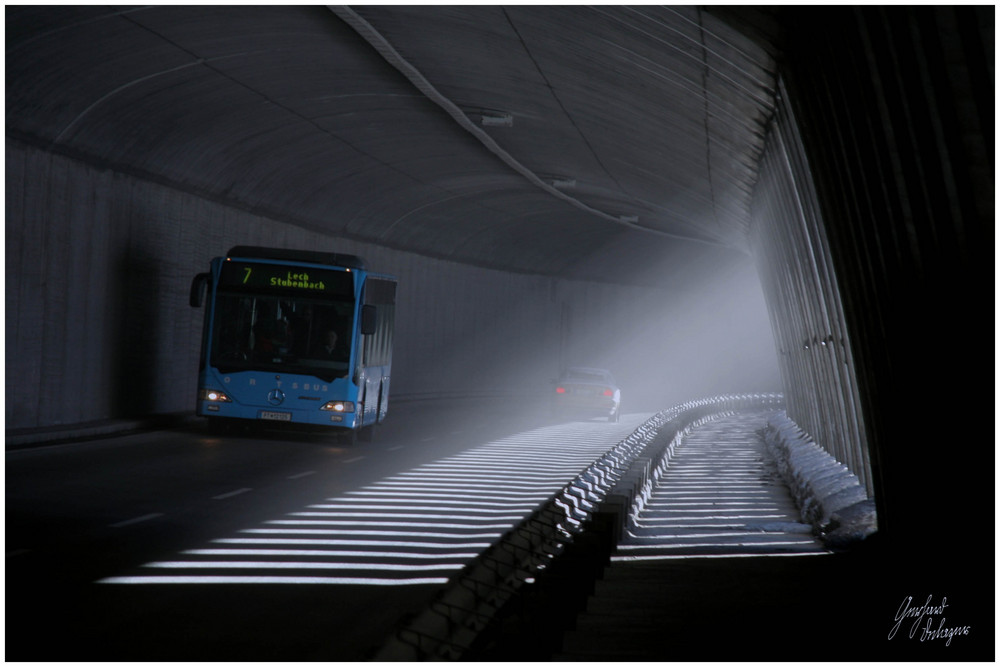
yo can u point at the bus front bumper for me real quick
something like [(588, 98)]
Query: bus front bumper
[(311, 416)]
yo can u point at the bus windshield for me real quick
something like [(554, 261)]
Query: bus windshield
[(282, 333)]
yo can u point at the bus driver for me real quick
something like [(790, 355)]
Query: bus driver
[(329, 349)]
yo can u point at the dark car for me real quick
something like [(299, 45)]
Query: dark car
[(587, 392)]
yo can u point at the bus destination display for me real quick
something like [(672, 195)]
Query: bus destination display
[(255, 276)]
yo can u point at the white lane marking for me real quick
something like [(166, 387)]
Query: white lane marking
[(231, 494), (303, 474), (393, 449), (354, 460), (138, 519)]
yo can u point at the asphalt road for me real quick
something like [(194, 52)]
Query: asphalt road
[(82, 518)]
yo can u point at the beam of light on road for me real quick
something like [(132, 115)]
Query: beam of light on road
[(732, 544), (720, 513), (328, 553), (399, 544), (627, 559), (434, 518), (315, 517), (334, 581), (400, 533), (497, 496), (389, 499), (348, 510), (391, 524), (291, 565), (716, 498), (459, 481), (684, 536), (729, 503)]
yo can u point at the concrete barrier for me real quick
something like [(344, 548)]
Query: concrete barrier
[(539, 574)]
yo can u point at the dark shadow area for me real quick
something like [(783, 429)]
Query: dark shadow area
[(137, 334), (839, 608)]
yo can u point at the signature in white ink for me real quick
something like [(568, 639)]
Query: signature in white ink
[(929, 611)]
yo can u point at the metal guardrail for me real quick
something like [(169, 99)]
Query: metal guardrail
[(546, 566)]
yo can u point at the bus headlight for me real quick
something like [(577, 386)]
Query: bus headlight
[(214, 396), (338, 406)]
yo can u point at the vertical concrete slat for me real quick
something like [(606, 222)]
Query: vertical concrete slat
[(97, 401), (16, 273), (24, 403), (55, 387), (79, 234)]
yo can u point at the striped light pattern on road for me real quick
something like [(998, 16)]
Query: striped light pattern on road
[(416, 527), (718, 496)]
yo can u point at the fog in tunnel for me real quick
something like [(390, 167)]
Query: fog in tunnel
[(709, 338), (699, 328)]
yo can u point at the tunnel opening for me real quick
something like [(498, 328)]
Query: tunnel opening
[(854, 162)]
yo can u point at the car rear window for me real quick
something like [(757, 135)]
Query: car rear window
[(582, 376)]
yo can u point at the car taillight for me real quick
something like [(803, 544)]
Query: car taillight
[(608, 392), (560, 390)]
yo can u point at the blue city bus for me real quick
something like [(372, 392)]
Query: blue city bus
[(296, 337)]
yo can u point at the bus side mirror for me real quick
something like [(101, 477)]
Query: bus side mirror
[(198, 289), (367, 319)]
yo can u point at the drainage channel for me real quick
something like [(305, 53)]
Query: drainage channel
[(533, 581)]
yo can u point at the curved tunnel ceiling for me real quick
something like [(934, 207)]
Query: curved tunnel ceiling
[(563, 140)]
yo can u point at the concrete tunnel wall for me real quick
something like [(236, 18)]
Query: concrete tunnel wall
[(99, 264), (897, 140), (896, 134)]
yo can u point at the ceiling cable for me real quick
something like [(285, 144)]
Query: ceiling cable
[(386, 50)]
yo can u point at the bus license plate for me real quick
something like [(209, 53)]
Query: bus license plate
[(276, 416)]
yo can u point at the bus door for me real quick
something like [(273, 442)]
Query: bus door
[(379, 302)]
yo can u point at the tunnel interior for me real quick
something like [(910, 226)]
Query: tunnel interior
[(704, 199), (564, 238)]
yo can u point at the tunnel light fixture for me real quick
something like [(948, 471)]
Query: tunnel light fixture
[(497, 120)]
